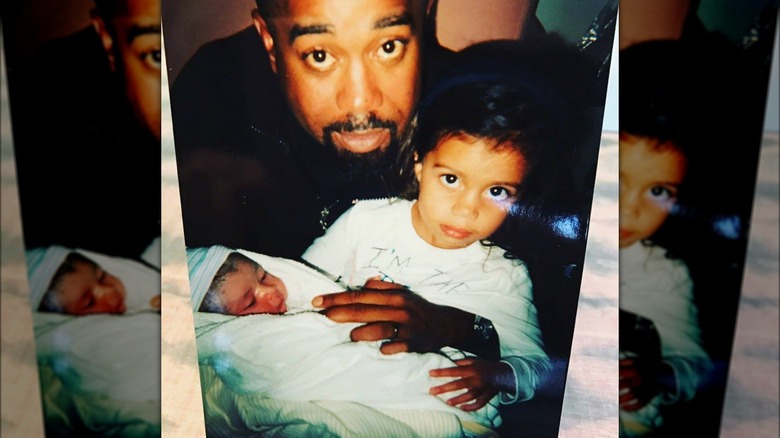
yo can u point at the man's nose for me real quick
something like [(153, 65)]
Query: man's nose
[(359, 91), (466, 205)]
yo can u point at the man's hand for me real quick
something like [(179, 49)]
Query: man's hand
[(390, 311), (637, 383), (480, 378)]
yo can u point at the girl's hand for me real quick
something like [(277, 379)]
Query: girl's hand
[(478, 377)]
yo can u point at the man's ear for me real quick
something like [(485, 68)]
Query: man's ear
[(105, 38), (417, 167), (265, 35)]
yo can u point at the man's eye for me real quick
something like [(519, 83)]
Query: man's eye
[(153, 58), (449, 180), (391, 50), (319, 59)]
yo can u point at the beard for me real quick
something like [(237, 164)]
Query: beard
[(375, 161)]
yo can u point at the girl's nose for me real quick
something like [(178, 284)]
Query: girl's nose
[(466, 206)]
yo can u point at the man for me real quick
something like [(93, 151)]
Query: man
[(86, 124), (280, 127)]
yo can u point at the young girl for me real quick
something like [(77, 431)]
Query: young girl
[(481, 143), (662, 359)]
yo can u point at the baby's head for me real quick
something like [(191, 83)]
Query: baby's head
[(476, 145), (81, 287), (242, 287)]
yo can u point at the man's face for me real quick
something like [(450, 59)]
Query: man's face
[(650, 178), (251, 290), (136, 48), (90, 289), (350, 69)]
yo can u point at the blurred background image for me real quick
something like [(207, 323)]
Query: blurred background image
[(693, 91), (83, 83)]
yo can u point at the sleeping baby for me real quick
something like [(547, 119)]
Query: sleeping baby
[(242, 287), (78, 282), (284, 349)]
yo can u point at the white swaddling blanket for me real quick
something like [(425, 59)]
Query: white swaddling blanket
[(102, 371), (303, 355), (117, 356)]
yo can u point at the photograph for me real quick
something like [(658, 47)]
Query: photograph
[(83, 99), (695, 122), (385, 209)]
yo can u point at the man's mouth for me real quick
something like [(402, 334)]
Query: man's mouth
[(361, 141), (360, 134)]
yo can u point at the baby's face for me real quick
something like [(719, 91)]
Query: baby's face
[(249, 290), (90, 289)]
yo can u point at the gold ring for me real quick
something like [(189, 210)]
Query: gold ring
[(395, 331)]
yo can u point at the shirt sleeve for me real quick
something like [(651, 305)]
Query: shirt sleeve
[(664, 294), (506, 299), (520, 336)]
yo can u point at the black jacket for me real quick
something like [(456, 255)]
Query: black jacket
[(250, 176)]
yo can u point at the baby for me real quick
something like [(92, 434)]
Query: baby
[(81, 286), (283, 349), (242, 287)]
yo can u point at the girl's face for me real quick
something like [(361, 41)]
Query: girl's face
[(249, 290), (90, 289), (466, 189), (650, 177)]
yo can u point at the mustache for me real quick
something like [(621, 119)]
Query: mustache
[(360, 123)]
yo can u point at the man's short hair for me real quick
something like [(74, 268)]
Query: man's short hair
[(109, 8), (270, 8)]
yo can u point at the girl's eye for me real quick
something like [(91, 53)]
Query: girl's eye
[(391, 50), (499, 193), (662, 194), (449, 180), (319, 59)]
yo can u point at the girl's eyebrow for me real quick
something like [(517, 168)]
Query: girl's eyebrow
[(513, 184), (442, 166)]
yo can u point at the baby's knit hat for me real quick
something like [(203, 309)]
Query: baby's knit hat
[(203, 264), (42, 263)]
